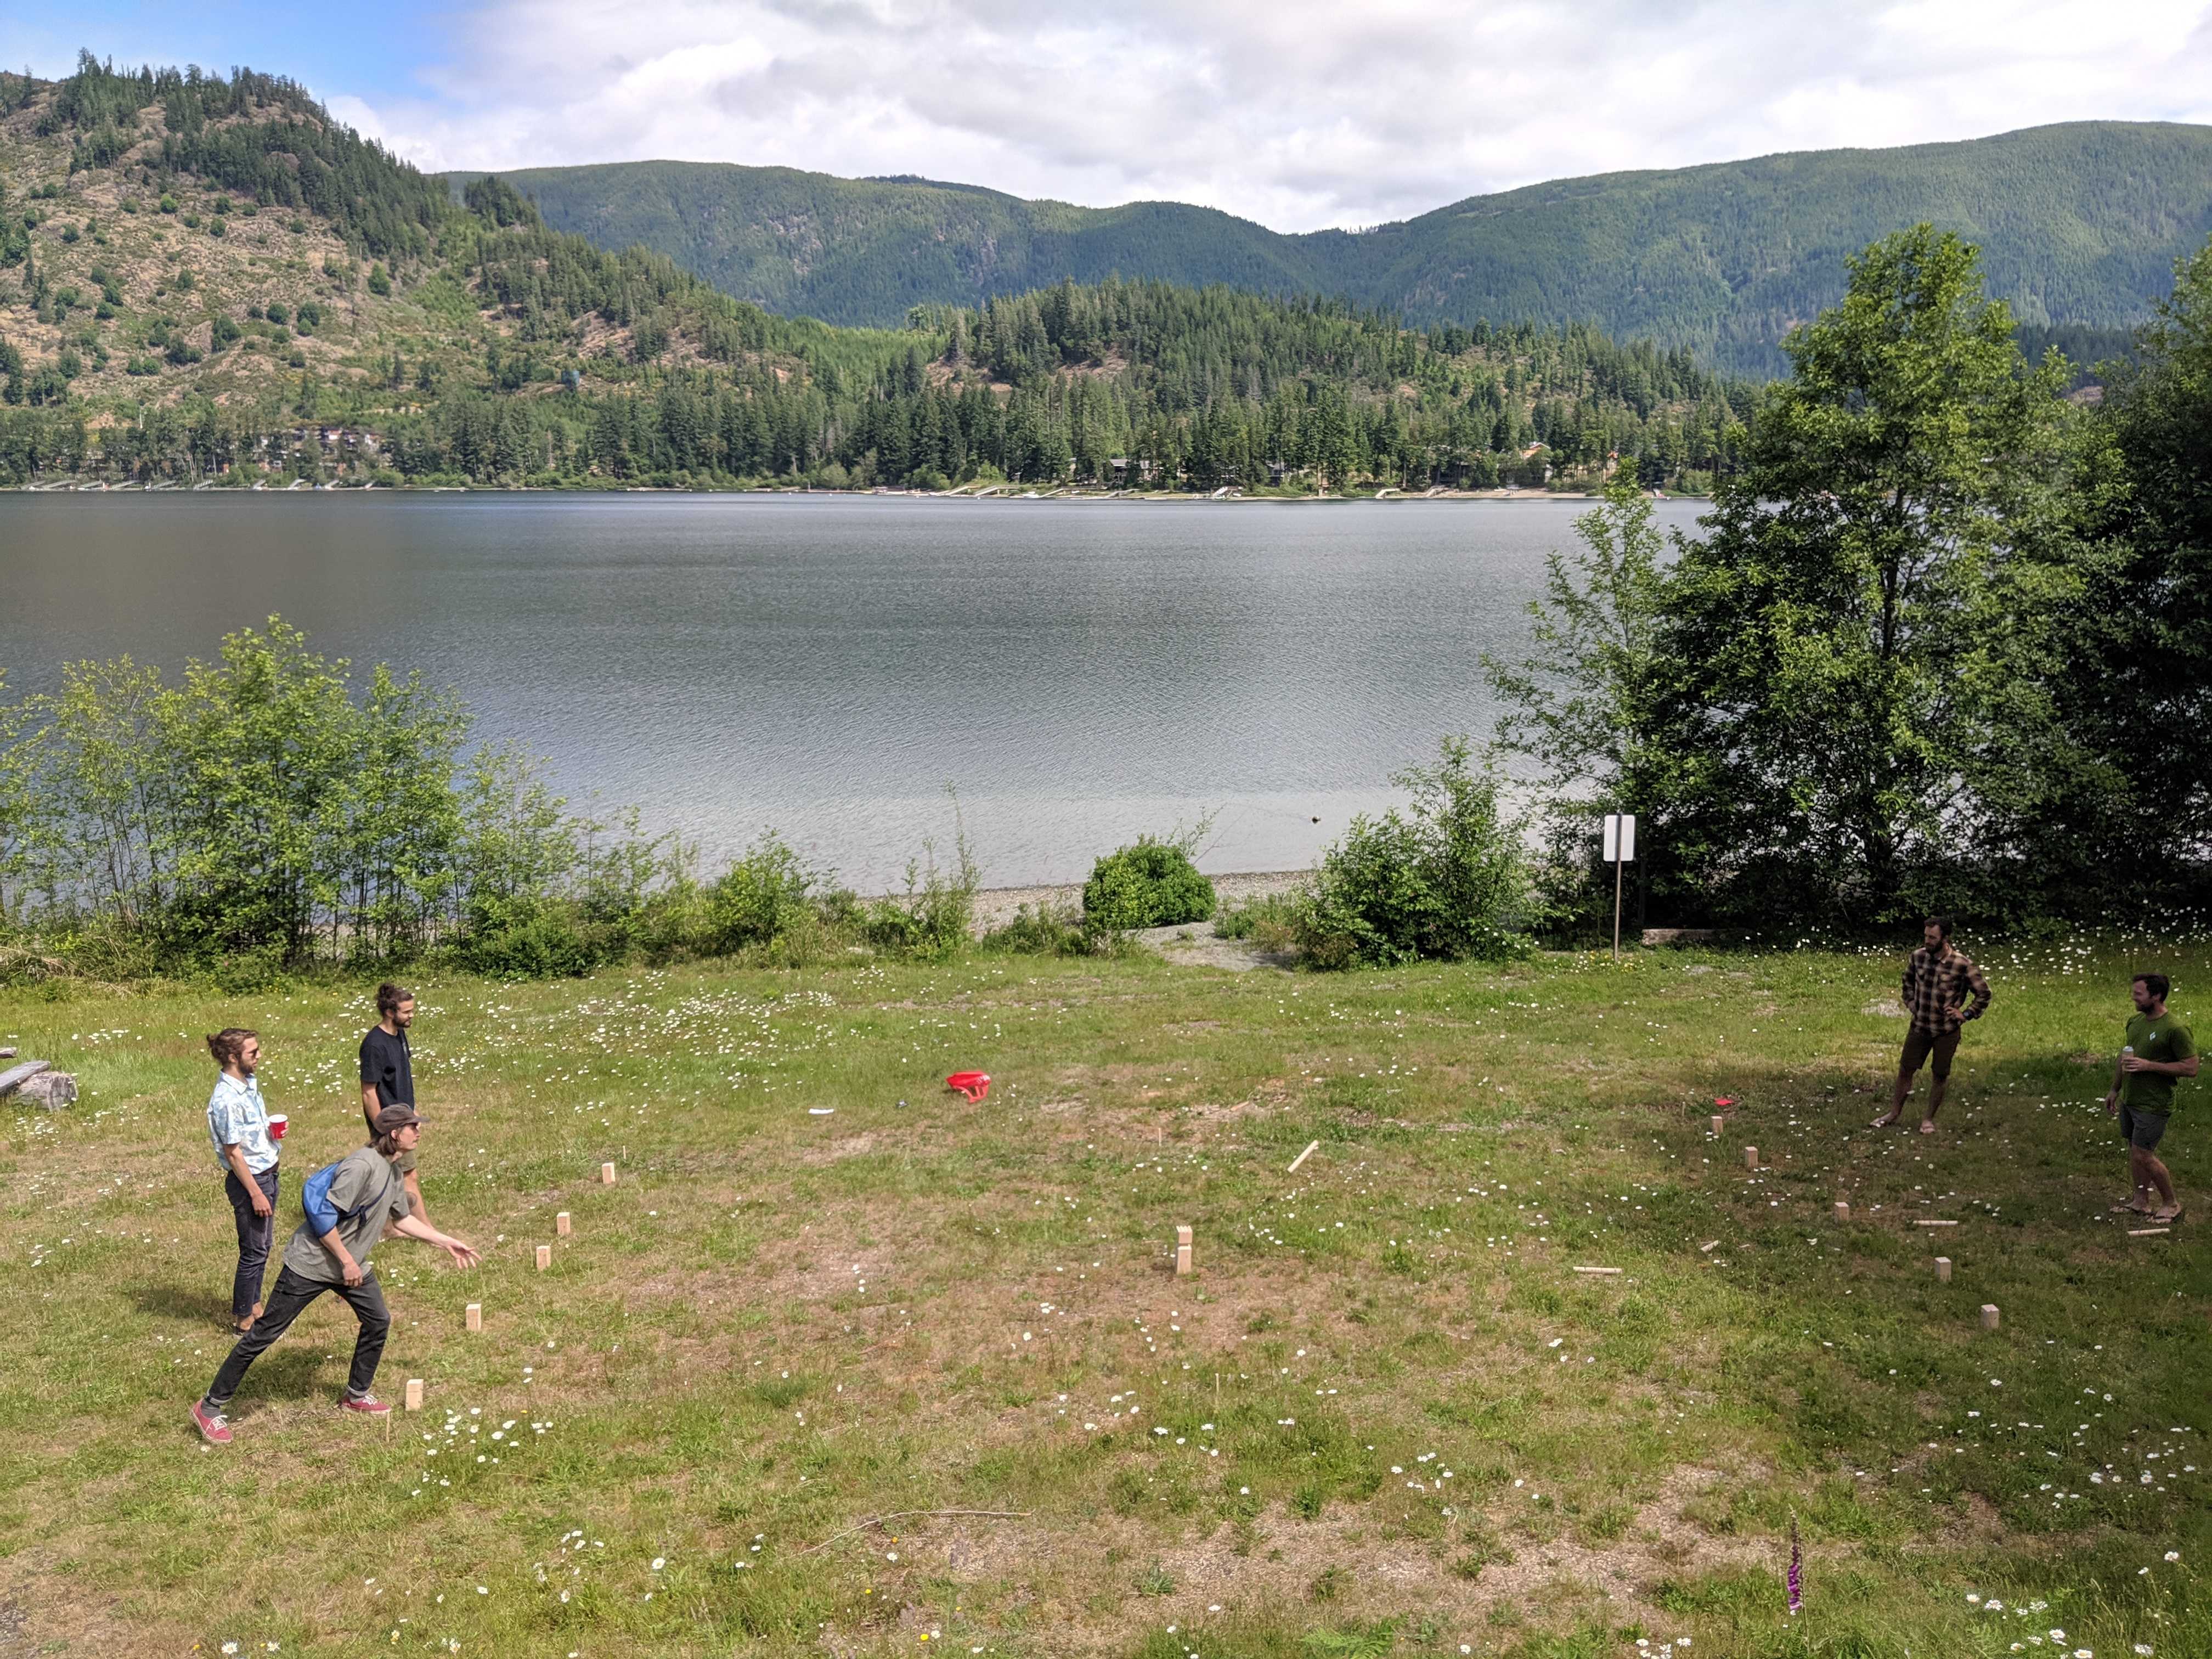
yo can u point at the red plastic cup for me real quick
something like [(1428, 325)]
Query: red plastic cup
[(277, 1124)]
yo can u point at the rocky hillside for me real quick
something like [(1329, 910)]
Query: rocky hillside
[(180, 246)]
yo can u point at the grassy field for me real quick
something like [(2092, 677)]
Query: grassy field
[(1385, 1415)]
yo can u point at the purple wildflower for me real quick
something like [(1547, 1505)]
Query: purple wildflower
[(1796, 1570)]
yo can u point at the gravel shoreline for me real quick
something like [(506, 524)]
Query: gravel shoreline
[(996, 906)]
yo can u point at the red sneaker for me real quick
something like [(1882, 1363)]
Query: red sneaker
[(369, 1405), (212, 1425)]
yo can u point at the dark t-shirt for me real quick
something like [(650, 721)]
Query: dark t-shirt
[(386, 1062), (2164, 1039)]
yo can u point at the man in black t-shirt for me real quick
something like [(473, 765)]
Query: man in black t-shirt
[(387, 1077)]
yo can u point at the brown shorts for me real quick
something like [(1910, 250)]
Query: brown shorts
[(1920, 1046)]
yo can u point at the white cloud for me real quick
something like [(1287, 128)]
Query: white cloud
[(1296, 112)]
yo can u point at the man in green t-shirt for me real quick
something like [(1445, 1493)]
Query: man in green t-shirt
[(2159, 1050)]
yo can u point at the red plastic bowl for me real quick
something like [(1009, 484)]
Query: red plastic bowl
[(973, 1084)]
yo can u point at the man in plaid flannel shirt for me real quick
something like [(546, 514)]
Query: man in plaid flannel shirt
[(1939, 980)]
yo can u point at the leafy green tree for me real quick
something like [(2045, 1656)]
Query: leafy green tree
[(2139, 678), (1857, 644), (1582, 703)]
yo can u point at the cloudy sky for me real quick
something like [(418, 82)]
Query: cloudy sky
[(1299, 113)]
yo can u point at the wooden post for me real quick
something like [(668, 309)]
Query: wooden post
[(1843, 1210), (1183, 1251), (1312, 1146), (1942, 1269), (474, 1316), (1989, 1315), (1720, 1124), (544, 1257), (414, 1394), (606, 1175), (1751, 1157), (1618, 869), (561, 1223)]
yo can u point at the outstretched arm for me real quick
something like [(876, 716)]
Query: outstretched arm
[(416, 1227)]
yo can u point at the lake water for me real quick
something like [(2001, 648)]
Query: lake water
[(1080, 672)]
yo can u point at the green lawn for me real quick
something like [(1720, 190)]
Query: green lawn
[(1384, 1415)]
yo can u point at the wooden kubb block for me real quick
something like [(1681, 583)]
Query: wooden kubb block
[(606, 1175), (544, 1257), (1182, 1250), (1751, 1157), (1989, 1318), (1943, 1269), (414, 1394), (1843, 1210), (561, 1223), (1720, 1124), (473, 1316)]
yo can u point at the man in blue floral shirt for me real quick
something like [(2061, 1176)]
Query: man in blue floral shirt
[(238, 1126)]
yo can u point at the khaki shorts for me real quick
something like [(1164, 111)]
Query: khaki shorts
[(1921, 1046)]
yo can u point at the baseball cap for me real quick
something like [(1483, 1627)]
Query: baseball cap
[(395, 1118)]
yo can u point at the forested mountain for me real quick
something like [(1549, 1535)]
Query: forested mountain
[(2079, 224), (204, 278)]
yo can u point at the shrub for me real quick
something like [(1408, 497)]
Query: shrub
[(524, 936), (1047, 932), (761, 897), (1152, 884), (1271, 921), (1450, 882), (379, 281), (931, 919)]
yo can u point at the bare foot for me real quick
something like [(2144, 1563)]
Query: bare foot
[(2162, 1217), (1884, 1120), (1927, 1126), (2133, 1207)]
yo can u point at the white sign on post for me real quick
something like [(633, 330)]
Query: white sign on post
[(1620, 850), (1621, 837)]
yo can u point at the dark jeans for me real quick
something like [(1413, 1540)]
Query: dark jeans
[(286, 1303), (254, 1234)]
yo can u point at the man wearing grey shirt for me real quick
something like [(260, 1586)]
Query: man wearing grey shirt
[(330, 1252)]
